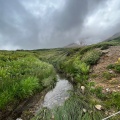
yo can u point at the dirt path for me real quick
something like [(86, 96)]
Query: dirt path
[(110, 57)]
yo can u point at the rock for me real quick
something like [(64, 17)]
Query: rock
[(72, 79), (111, 71), (83, 89), (98, 107), (105, 51), (107, 89), (84, 110), (66, 98), (114, 91), (18, 119), (118, 86), (108, 55), (52, 116), (106, 113)]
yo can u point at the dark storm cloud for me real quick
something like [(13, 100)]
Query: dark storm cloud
[(30, 24), (72, 15), (17, 25)]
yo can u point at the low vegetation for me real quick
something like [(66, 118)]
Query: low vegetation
[(115, 66), (21, 75), (91, 57)]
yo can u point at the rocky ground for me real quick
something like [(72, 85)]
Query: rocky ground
[(108, 79)]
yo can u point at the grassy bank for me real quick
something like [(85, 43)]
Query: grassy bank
[(21, 75), (76, 64)]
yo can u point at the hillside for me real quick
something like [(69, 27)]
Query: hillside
[(115, 36), (94, 72)]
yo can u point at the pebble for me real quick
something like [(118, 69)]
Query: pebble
[(83, 89), (84, 110), (105, 51), (114, 91), (118, 86), (107, 89), (18, 119), (111, 71), (52, 116), (98, 107)]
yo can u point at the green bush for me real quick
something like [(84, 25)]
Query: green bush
[(77, 68), (91, 57)]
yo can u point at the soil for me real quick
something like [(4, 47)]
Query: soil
[(110, 56)]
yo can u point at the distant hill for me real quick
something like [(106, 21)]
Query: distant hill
[(72, 45), (113, 37)]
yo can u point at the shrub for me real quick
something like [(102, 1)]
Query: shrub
[(91, 57)]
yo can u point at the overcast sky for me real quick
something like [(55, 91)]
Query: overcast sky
[(33, 24)]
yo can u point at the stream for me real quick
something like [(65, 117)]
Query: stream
[(59, 94)]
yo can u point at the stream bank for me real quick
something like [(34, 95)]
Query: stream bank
[(47, 98)]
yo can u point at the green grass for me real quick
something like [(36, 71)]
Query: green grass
[(91, 57), (115, 66), (21, 75), (113, 101), (98, 92)]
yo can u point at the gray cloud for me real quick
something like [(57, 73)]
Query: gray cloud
[(72, 15), (29, 24)]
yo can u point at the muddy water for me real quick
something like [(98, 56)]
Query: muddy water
[(59, 94)]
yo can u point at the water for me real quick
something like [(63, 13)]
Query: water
[(58, 95)]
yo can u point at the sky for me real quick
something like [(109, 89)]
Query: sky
[(36, 24)]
